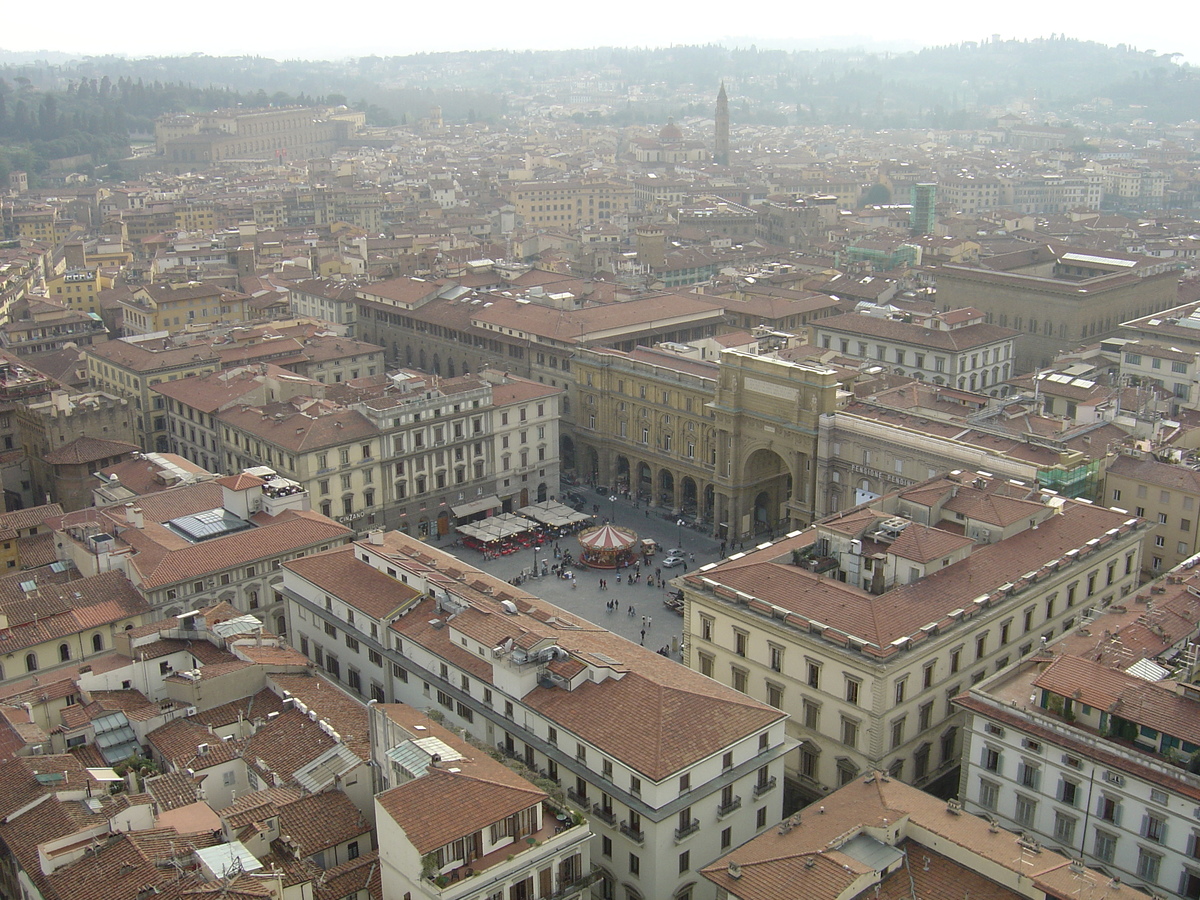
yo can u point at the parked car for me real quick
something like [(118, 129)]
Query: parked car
[(676, 551), (672, 561)]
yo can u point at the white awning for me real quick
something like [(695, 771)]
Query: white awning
[(480, 504)]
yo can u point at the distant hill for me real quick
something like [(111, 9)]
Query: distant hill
[(51, 103)]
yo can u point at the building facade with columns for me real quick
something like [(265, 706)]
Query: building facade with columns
[(733, 443)]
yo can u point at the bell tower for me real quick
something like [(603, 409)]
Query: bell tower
[(721, 146)]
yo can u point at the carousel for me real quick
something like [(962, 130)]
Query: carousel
[(608, 547)]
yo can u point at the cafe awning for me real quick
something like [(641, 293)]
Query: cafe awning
[(478, 505)]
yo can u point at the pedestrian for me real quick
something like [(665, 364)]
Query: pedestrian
[(658, 571), (647, 514), (650, 622), (643, 621), (685, 567), (722, 548), (616, 604), (643, 637), (618, 578)]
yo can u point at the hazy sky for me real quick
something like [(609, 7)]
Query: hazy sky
[(313, 30)]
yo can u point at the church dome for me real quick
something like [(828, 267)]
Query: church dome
[(670, 132)]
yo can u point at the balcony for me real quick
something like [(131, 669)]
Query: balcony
[(555, 832), (632, 833), (764, 787), (566, 889), (687, 830), (604, 815), (725, 809), (577, 798)]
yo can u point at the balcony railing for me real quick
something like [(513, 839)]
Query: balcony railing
[(604, 815), (576, 797), (565, 889), (689, 829), (633, 833), (763, 787), (725, 809)]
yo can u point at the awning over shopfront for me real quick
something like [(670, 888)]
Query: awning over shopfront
[(476, 506)]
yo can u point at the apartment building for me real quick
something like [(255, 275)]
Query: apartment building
[(77, 289), (864, 627), (170, 307), (1089, 747), (40, 326), (396, 620), (186, 547), (1166, 495), (493, 832), (53, 621), (194, 404), (1175, 371), (130, 367), (877, 837), (568, 204), (956, 348)]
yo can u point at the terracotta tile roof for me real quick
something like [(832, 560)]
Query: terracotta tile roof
[(241, 482), (347, 715), (86, 449), (131, 862), (816, 858), (954, 340), (287, 743), (455, 798), (172, 790), (31, 517), (923, 544), (258, 705), (1151, 471), (317, 822), (358, 878), (1153, 704), (57, 611), (179, 742), (368, 590), (880, 619), (162, 558)]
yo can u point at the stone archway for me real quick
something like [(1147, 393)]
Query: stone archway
[(666, 489), (767, 474), (542, 492), (710, 502), (622, 473), (687, 495), (591, 464), (566, 453), (645, 483)]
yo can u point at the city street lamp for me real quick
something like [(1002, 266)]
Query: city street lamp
[(679, 535), (612, 512)]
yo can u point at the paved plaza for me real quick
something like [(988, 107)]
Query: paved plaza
[(586, 600)]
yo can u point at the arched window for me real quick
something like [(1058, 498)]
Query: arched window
[(64, 653), (31, 662)]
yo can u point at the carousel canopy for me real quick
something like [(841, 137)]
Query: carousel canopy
[(608, 537)]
